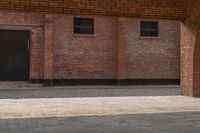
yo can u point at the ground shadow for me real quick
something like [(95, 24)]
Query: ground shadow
[(88, 92), (184, 122)]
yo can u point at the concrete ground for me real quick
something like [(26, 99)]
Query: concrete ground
[(99, 109)]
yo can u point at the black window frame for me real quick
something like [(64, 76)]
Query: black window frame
[(80, 29), (149, 32)]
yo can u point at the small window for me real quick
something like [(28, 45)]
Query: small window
[(83, 26), (149, 29)]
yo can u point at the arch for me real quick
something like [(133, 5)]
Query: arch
[(190, 50), (196, 67)]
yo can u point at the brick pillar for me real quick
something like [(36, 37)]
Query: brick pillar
[(188, 38), (121, 74), (48, 52)]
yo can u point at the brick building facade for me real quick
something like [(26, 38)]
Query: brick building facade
[(116, 51)]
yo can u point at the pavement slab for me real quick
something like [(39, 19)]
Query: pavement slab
[(99, 112)]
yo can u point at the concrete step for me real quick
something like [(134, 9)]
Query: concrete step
[(18, 85)]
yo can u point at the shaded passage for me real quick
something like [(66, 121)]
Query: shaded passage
[(89, 91)]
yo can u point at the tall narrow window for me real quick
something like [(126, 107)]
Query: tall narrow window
[(149, 29), (83, 26)]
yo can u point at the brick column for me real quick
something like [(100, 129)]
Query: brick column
[(48, 52), (121, 74), (188, 38)]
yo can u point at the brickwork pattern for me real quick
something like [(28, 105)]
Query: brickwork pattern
[(32, 22), (57, 53), (174, 9), (48, 49), (83, 56), (190, 65), (153, 58), (196, 70), (186, 10), (94, 56), (188, 39)]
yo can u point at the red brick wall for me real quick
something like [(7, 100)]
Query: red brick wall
[(56, 53), (49, 27), (174, 9), (34, 23), (153, 58), (186, 10), (79, 56)]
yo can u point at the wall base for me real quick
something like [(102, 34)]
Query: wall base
[(124, 82)]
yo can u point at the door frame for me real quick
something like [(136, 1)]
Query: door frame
[(29, 43)]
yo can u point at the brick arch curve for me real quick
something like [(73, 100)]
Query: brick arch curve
[(196, 67), (190, 50)]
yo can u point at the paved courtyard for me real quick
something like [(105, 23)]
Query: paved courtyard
[(100, 109)]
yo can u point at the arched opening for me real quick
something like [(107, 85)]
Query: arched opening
[(196, 67)]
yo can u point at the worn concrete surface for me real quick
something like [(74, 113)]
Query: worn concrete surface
[(88, 91), (101, 111)]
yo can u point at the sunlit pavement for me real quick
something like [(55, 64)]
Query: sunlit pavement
[(119, 110)]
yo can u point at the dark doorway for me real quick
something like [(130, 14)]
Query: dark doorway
[(14, 55)]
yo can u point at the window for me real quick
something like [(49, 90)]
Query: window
[(149, 29), (83, 26)]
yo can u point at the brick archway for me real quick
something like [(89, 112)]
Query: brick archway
[(190, 50), (190, 60), (196, 67)]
